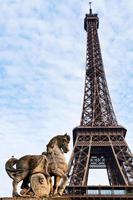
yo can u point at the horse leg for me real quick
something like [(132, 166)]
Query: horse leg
[(51, 186), (63, 185), (15, 184), (25, 183), (59, 174), (25, 186), (56, 184)]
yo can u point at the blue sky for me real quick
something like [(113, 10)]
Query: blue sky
[(42, 68)]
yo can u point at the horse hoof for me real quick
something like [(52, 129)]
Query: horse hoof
[(60, 192), (55, 195), (15, 194)]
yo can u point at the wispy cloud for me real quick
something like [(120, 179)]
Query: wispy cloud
[(42, 62)]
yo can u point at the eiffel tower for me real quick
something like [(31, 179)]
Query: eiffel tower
[(99, 141)]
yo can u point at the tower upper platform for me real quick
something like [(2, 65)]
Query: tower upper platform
[(91, 20)]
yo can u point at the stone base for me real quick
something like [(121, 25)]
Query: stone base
[(34, 198), (86, 197)]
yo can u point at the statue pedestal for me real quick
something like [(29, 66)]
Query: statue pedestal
[(86, 197), (33, 198)]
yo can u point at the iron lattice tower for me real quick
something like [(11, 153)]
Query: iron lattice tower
[(99, 142)]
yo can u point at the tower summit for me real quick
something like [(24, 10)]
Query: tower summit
[(99, 142)]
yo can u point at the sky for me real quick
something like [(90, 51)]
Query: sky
[(42, 69)]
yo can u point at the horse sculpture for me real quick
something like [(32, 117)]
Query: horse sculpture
[(30, 168)]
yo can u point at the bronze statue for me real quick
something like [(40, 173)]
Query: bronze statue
[(36, 170)]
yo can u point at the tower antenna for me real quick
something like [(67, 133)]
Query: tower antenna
[(90, 7)]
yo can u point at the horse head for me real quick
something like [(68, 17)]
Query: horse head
[(64, 143)]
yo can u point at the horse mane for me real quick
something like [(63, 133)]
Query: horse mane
[(52, 141)]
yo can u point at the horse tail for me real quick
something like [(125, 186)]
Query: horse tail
[(11, 171)]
